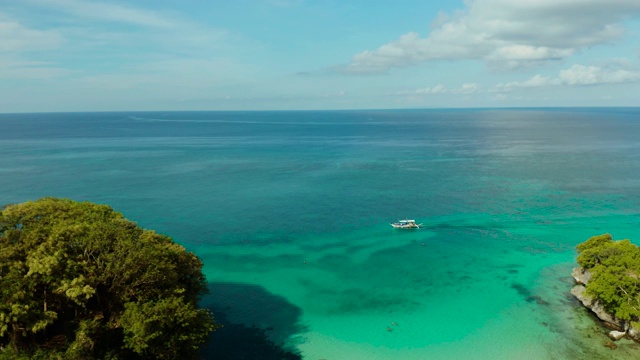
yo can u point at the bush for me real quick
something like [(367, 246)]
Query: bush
[(615, 274), (78, 280)]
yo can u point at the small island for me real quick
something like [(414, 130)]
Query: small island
[(608, 283), (80, 281)]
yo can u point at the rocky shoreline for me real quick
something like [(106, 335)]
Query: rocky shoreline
[(619, 328)]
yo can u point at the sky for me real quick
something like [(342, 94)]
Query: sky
[(147, 55)]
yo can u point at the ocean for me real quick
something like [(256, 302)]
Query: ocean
[(290, 213)]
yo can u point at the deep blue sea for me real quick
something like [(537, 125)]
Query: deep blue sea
[(290, 213)]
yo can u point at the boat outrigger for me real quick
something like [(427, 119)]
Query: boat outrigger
[(406, 224)]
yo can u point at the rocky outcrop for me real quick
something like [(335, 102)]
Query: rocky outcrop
[(579, 291), (581, 276), (634, 332), (617, 335), (620, 328)]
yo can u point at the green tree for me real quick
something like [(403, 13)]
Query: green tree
[(589, 250), (615, 274), (78, 280)]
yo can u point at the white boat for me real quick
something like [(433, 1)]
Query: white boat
[(406, 224)]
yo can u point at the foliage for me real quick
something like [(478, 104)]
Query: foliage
[(79, 281), (589, 250), (615, 274)]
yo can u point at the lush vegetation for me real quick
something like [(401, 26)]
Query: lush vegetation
[(79, 281), (615, 274)]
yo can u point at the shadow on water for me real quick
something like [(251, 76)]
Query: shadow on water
[(256, 324), (527, 295)]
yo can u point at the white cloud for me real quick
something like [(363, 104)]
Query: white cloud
[(93, 25), (337, 94), (150, 40), (592, 75), (576, 75), (534, 82), (504, 33), (16, 40), (468, 88), (438, 89), (109, 12), (20, 69), (14, 37), (285, 3)]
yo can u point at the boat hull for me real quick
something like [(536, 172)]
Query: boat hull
[(403, 226)]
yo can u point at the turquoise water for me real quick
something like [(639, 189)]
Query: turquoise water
[(289, 212)]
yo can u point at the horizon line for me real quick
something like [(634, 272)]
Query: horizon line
[(327, 110)]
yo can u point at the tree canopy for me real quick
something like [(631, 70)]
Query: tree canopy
[(615, 274), (80, 281)]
